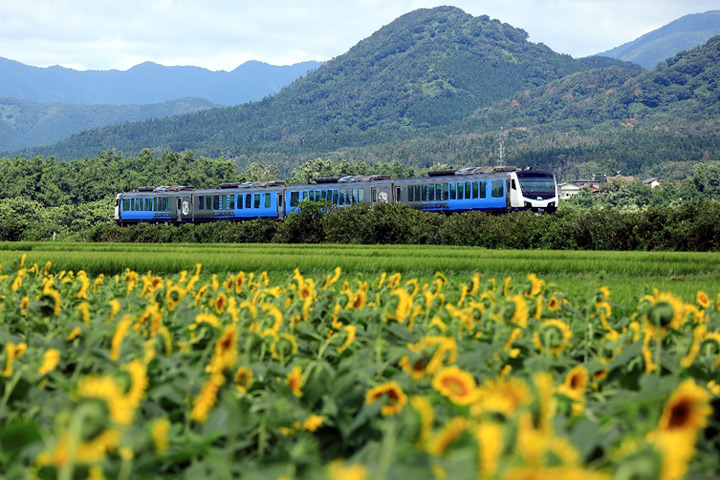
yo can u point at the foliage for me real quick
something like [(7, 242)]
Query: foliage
[(337, 376), (54, 183)]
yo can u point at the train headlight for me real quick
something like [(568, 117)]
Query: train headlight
[(528, 205), (551, 204)]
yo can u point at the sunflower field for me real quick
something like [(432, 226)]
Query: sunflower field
[(350, 376)]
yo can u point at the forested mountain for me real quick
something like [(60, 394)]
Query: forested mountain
[(603, 120), (26, 124), (439, 86), (428, 68), (684, 33), (147, 83)]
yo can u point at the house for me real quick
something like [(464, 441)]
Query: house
[(652, 182), (570, 189)]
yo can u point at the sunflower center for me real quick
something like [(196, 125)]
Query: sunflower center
[(680, 414), (455, 386)]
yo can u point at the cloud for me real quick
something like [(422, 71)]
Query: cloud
[(222, 34)]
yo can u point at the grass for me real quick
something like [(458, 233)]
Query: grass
[(629, 274)]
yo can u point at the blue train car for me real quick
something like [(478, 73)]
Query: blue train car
[(491, 189)]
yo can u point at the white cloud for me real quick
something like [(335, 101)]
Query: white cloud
[(222, 34)]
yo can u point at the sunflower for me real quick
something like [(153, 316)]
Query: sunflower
[(553, 337), (50, 361), (703, 299), (120, 332), (330, 279), (225, 353), (554, 304), (284, 346), (173, 295), (576, 383), (503, 396), (395, 398), (243, 379), (220, 302), (313, 422), (455, 384), (517, 311), (295, 381), (138, 382), (687, 410), (159, 433), (109, 391), (451, 432), (664, 312), (489, 437), (207, 398), (337, 470), (425, 410), (349, 339), (536, 285), (711, 344)]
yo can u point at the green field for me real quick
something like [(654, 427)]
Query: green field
[(630, 274)]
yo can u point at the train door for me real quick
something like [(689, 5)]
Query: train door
[(381, 194), (184, 208), (280, 206)]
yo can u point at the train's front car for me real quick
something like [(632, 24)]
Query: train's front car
[(534, 190)]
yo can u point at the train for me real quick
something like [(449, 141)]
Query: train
[(492, 189)]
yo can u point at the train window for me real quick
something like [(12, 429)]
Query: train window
[(125, 204), (483, 191), (240, 201), (256, 200), (424, 193), (232, 202), (446, 191), (335, 197), (268, 200), (216, 202), (373, 197), (201, 203), (476, 190), (293, 199), (468, 191), (411, 193), (460, 191), (498, 188), (452, 191), (398, 194), (248, 201)]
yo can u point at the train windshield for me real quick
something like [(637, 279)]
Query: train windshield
[(537, 185)]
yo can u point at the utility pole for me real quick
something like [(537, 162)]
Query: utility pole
[(501, 149)]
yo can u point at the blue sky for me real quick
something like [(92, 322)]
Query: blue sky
[(222, 34)]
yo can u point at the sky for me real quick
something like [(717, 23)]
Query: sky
[(223, 34)]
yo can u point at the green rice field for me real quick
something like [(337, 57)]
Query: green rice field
[(631, 274)]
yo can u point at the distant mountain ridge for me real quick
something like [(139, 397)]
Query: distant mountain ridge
[(684, 33), (427, 68), (26, 124), (146, 83)]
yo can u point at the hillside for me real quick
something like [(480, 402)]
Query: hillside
[(147, 83), (428, 68), (25, 124), (684, 33), (440, 86)]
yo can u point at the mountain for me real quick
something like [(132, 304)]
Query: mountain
[(684, 33), (147, 83), (25, 124), (427, 68), (439, 86)]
